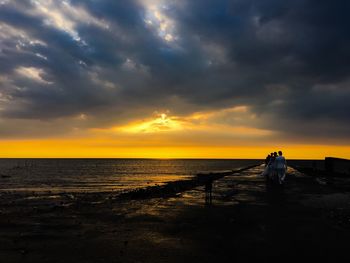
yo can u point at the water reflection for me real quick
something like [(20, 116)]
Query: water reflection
[(101, 175)]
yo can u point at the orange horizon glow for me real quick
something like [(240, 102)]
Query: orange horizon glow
[(199, 135), (84, 148)]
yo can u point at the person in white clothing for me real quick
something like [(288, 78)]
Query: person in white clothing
[(281, 167)]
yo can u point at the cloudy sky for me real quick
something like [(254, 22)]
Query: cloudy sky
[(174, 78)]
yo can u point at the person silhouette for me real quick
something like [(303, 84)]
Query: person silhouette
[(271, 166), (280, 167), (267, 160)]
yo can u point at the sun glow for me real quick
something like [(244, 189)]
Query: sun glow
[(161, 123), (206, 122), (199, 135)]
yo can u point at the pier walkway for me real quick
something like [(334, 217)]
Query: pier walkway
[(249, 218)]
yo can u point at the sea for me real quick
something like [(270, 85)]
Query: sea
[(104, 175)]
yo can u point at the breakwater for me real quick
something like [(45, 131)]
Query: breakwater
[(175, 187)]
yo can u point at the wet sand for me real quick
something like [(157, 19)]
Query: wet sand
[(248, 219)]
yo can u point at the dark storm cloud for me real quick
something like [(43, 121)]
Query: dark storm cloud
[(287, 60)]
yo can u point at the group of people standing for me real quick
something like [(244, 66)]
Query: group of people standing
[(275, 167)]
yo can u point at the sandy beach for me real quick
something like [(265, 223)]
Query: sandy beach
[(247, 220)]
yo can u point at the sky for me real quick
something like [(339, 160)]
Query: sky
[(174, 78)]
